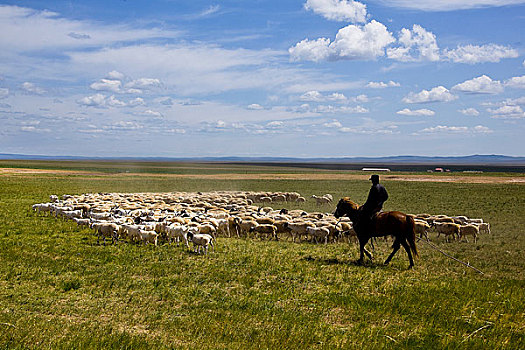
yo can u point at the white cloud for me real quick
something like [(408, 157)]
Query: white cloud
[(25, 29), (107, 85), (338, 10), (209, 11), (469, 111), (102, 101), (151, 113), (352, 42), (507, 112), (472, 54), (32, 88), (443, 129), (316, 96), (448, 5), (336, 109), (144, 83), (480, 85), (417, 112), (516, 82), (115, 75), (255, 107), (437, 94), (382, 85), (333, 124), (416, 45), (4, 92)]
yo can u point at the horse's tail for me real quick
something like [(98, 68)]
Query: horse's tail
[(411, 235)]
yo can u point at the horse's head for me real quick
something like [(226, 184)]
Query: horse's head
[(346, 207)]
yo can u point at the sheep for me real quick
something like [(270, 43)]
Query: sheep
[(82, 222), (468, 230), (244, 226), (266, 229), (448, 229), (421, 227), (201, 241), (300, 199), (53, 198), (321, 200), (176, 232), (106, 229), (148, 236), (484, 227), (318, 232), (298, 228), (42, 207)]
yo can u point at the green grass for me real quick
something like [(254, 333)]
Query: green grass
[(58, 289)]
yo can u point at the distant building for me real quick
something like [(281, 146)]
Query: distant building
[(439, 170), (376, 169)]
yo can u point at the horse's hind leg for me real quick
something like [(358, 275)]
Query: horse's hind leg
[(407, 248), (396, 247)]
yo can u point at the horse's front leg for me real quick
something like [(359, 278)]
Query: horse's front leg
[(396, 247), (363, 251)]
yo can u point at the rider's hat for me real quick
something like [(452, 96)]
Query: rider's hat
[(374, 178)]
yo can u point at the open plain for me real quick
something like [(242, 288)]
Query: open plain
[(59, 289)]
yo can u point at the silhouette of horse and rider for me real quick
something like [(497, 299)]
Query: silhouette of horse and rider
[(370, 221)]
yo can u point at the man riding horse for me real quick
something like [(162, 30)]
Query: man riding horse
[(374, 203)]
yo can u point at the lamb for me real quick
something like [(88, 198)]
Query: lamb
[(448, 229), (201, 241), (318, 232), (468, 230)]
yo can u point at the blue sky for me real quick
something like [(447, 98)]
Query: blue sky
[(304, 78)]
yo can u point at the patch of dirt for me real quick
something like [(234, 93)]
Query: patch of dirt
[(271, 176)]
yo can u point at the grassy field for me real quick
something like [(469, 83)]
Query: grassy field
[(59, 289)]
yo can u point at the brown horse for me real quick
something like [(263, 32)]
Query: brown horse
[(394, 223)]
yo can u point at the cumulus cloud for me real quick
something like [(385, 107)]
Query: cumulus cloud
[(469, 111), (255, 107), (151, 113), (103, 101), (115, 75), (507, 112), (472, 54), (32, 88), (107, 85), (480, 85), (316, 96), (382, 85), (448, 5), (417, 44), (516, 82), (144, 83), (335, 124), (444, 129), (417, 112), (437, 94), (352, 42), (338, 10)]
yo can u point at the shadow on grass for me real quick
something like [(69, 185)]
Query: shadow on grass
[(375, 264)]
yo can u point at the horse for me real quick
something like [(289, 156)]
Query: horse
[(395, 223)]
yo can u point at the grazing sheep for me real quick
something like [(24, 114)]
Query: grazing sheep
[(201, 241), (484, 227), (468, 230), (106, 229), (318, 232), (178, 232), (421, 227), (147, 236), (448, 229), (298, 229), (265, 229), (321, 200)]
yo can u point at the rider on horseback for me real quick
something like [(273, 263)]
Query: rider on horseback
[(374, 203)]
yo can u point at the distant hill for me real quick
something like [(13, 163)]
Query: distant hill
[(483, 160)]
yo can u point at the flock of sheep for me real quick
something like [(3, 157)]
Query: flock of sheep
[(199, 218)]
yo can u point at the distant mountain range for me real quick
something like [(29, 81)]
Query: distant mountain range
[(484, 160)]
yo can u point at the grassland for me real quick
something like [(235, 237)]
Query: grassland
[(58, 289)]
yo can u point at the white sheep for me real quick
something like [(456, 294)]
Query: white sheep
[(318, 232), (106, 229), (201, 241), (177, 232), (448, 229), (148, 236)]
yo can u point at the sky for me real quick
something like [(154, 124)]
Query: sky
[(295, 78)]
